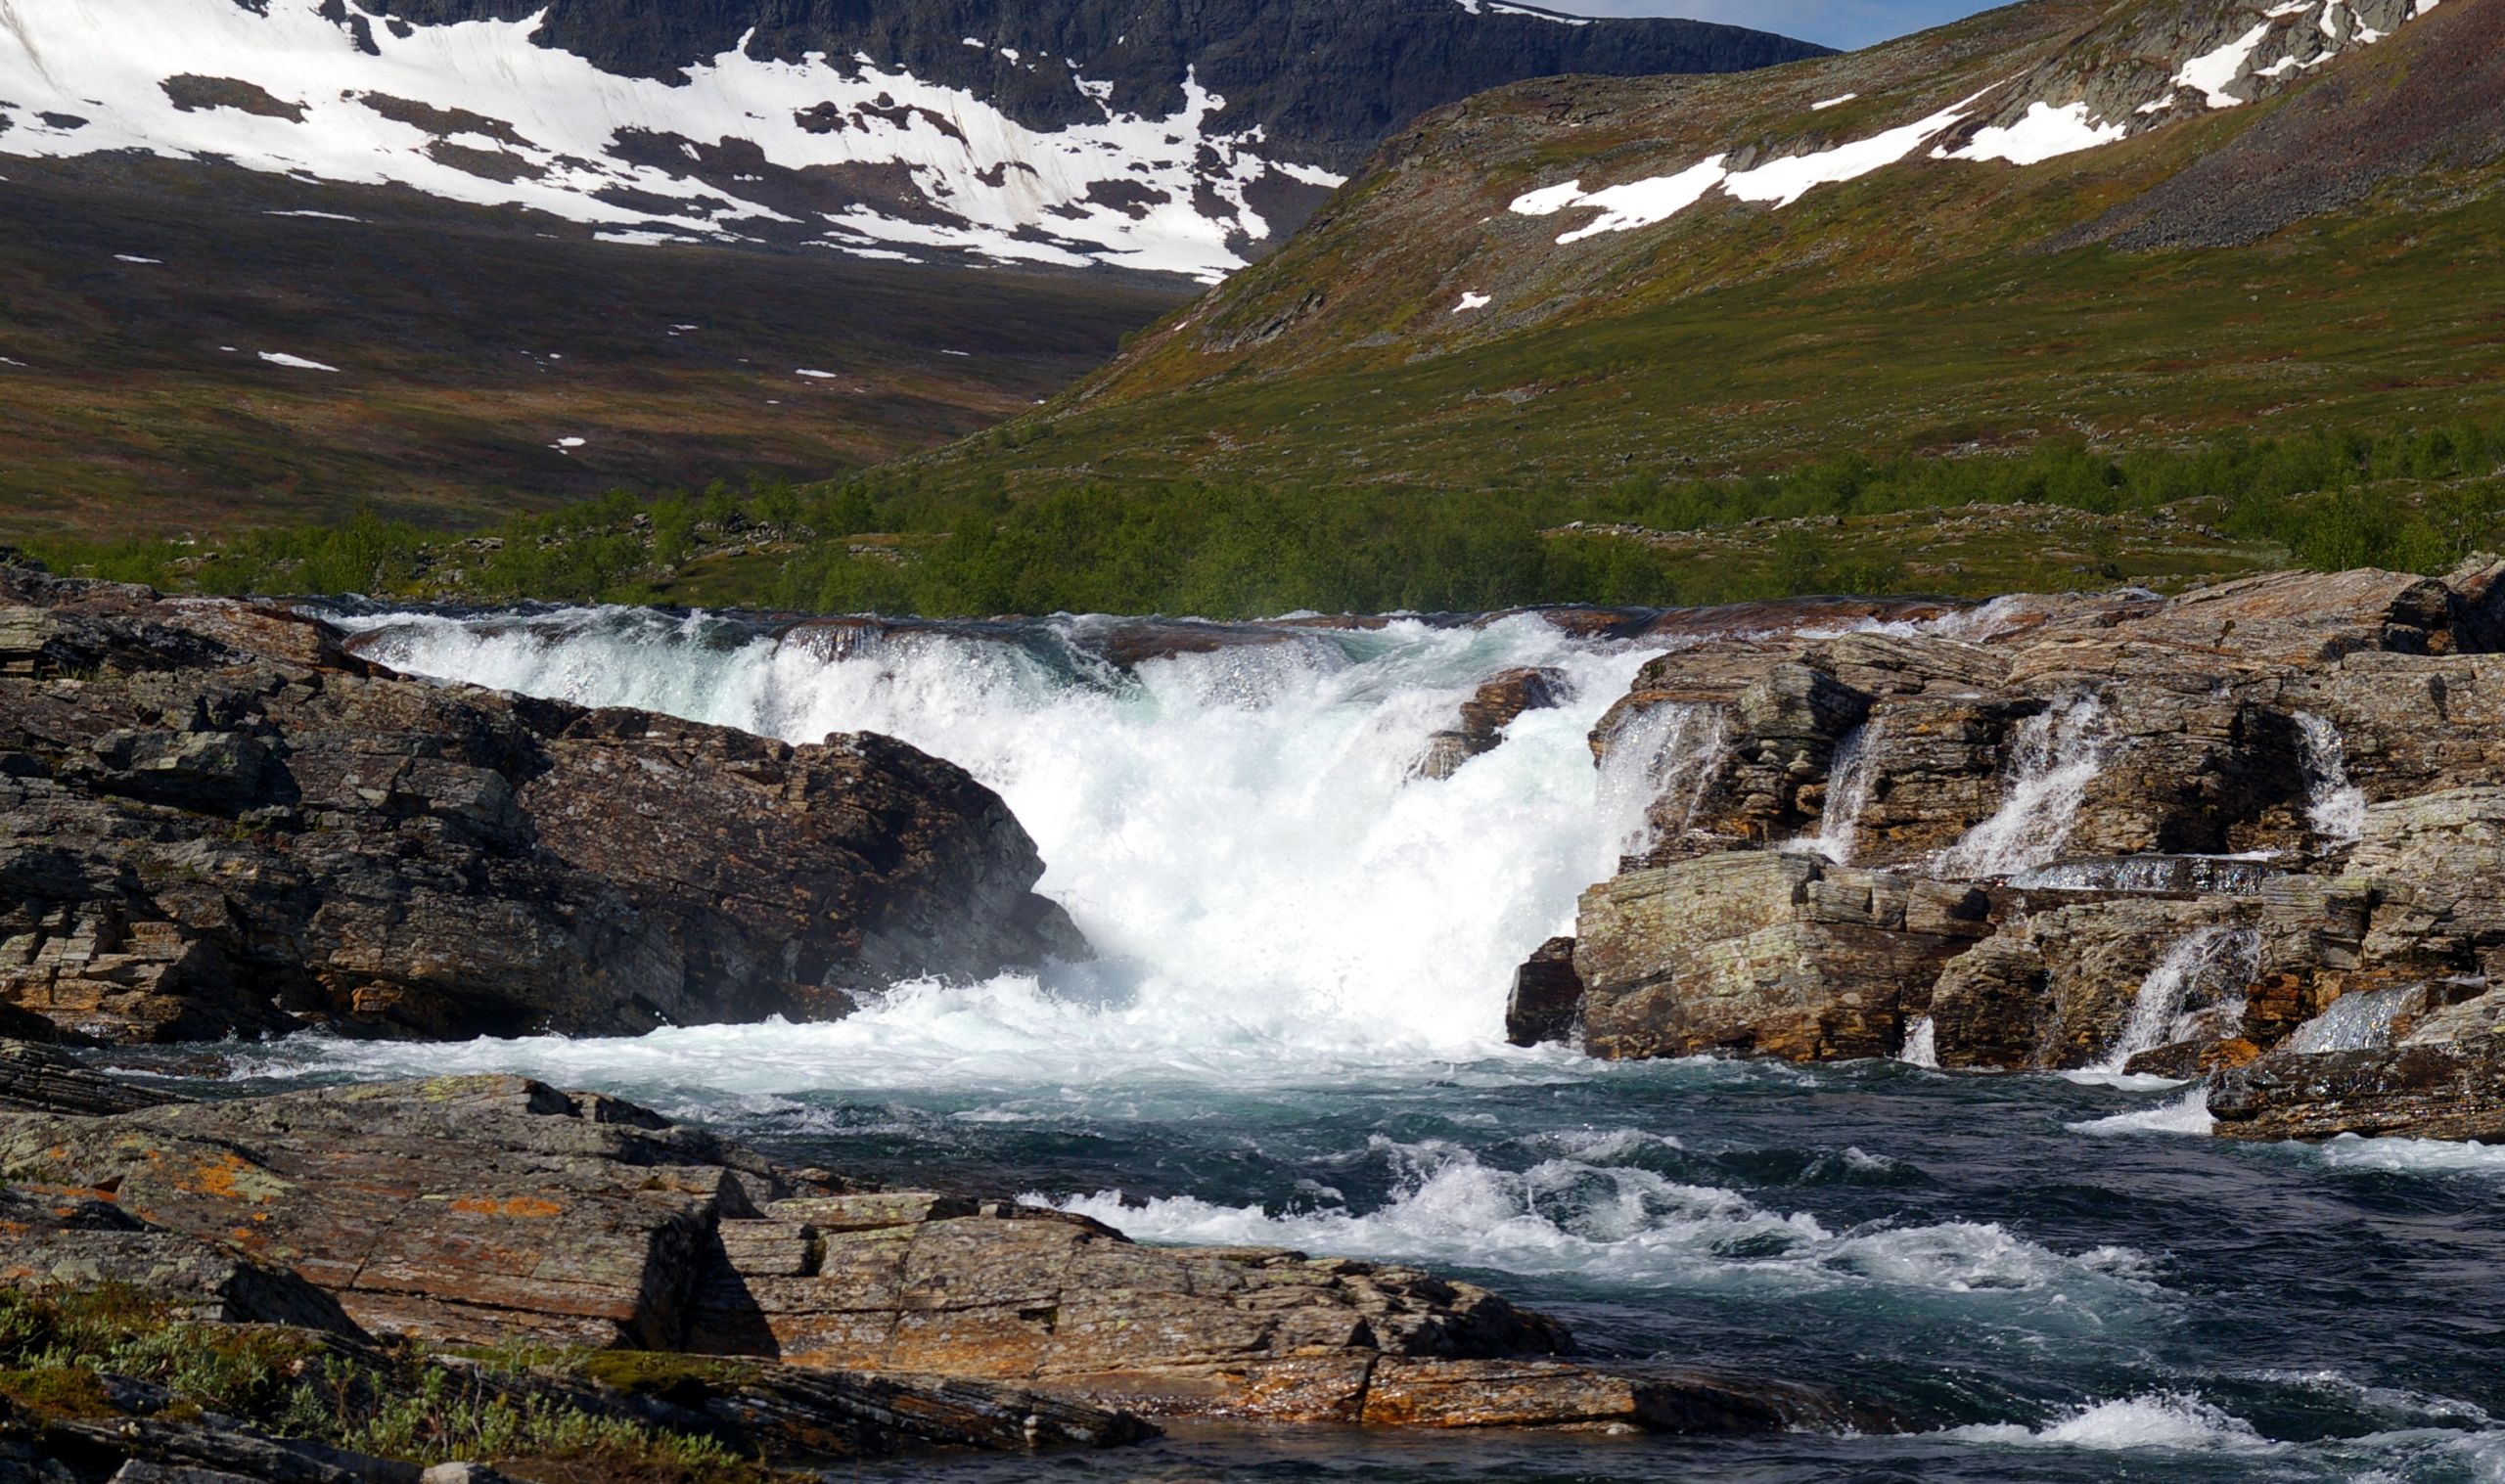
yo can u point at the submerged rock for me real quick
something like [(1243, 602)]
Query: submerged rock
[(215, 821)]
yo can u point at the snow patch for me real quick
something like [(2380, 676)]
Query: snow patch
[(293, 362), (2044, 133), (1471, 301), (1001, 190), (124, 258), (1837, 102)]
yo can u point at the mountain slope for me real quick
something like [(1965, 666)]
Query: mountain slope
[(182, 353), (2122, 220), (1180, 135)]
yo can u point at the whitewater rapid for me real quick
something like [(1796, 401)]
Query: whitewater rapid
[(1293, 1037), (1238, 832)]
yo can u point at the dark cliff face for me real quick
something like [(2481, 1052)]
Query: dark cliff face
[(1326, 78)]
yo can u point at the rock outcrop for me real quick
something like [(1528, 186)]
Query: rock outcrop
[(485, 1211), (1486, 715), (215, 820), (2167, 834)]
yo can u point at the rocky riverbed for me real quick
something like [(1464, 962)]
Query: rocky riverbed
[(2239, 838), (2249, 833)]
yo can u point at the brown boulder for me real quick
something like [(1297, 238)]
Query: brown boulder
[(214, 821), (1765, 952)]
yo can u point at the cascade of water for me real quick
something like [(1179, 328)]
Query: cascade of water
[(1922, 1045), (2335, 807), (2053, 758), (1849, 778), (1237, 831), (1662, 763), (2209, 956), (2358, 1022)]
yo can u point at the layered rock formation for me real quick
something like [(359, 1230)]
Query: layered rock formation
[(495, 1212), (214, 820), (2168, 833)]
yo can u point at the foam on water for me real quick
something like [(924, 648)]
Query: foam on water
[(2409, 1156), (1237, 831), (2187, 1114), (2171, 1421), (1593, 1210)]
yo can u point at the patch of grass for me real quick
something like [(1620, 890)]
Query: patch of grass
[(56, 1349), (72, 1392)]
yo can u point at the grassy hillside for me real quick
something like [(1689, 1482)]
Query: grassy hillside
[(1931, 308)]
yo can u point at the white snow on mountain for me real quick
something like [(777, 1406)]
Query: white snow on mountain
[(2303, 34), (475, 112)]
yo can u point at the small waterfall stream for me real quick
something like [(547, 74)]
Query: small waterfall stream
[(2208, 956), (2052, 759), (2357, 1022), (1660, 766), (1849, 779), (2335, 807)]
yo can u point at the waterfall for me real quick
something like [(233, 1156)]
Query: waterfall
[(2358, 1022), (2166, 990), (1662, 763), (1848, 784), (2335, 807), (2055, 755), (1922, 1045), (1236, 830)]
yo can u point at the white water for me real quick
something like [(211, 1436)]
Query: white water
[(1922, 1045), (2053, 758), (2171, 1422), (1593, 1210), (2357, 1022), (1236, 832), (1849, 778), (2335, 807), (2186, 1115), (1660, 765), (2201, 961)]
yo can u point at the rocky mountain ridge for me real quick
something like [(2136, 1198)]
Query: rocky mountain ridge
[(1168, 138)]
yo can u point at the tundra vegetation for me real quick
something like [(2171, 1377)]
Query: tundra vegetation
[(916, 540)]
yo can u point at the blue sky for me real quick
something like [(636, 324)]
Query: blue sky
[(1836, 23)]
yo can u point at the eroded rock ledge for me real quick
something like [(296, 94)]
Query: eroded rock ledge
[(214, 820), (2255, 832), (810, 1316)]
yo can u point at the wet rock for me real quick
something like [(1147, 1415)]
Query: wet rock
[(39, 1079), (2058, 985), (1765, 952), (1547, 1002), (482, 1210), (215, 821), (2339, 731), (1485, 716)]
